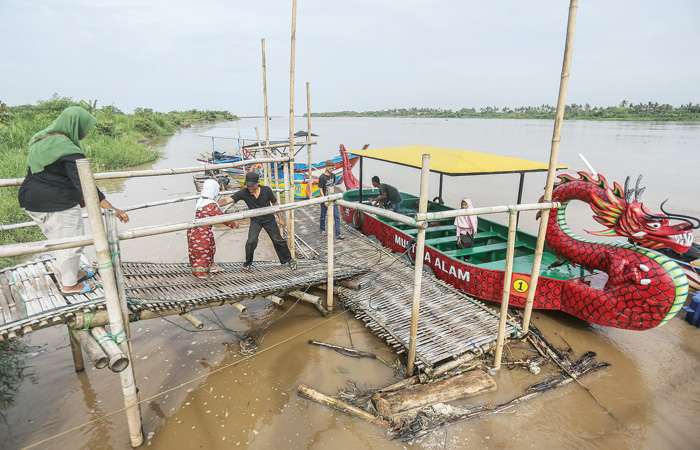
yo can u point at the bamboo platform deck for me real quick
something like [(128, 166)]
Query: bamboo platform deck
[(30, 297), (450, 323)]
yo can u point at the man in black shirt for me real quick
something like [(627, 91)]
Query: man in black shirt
[(256, 196), (326, 183)]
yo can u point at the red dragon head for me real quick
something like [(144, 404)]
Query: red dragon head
[(628, 217)]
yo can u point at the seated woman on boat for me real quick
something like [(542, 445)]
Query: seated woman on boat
[(200, 241), (466, 227)]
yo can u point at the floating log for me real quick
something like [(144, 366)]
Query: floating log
[(275, 299), (350, 284), (468, 384), (345, 350), (92, 348), (118, 361), (313, 394), (193, 319)]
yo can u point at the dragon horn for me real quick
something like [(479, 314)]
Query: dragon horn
[(638, 192), (690, 219), (628, 193)]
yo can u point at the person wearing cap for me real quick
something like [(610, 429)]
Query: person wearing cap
[(326, 183), (256, 196)]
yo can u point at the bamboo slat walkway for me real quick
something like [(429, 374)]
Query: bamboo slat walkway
[(30, 298), (450, 323)]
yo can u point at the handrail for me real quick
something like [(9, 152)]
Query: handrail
[(485, 210), (157, 172), (81, 241)]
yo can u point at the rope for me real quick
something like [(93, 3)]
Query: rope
[(245, 358)]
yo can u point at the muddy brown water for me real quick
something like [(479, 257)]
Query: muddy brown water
[(200, 390)]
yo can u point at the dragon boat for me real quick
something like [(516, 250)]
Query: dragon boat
[(623, 285)]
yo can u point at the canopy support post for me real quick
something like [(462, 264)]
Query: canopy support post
[(520, 195), (361, 179), (440, 191)]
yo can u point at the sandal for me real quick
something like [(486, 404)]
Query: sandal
[(341, 236), (324, 233), (87, 288), (246, 268), (215, 269), (90, 273)]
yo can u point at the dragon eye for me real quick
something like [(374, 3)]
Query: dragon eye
[(654, 225)]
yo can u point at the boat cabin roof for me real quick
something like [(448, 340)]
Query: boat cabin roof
[(454, 162)]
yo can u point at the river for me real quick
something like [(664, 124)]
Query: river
[(200, 390)]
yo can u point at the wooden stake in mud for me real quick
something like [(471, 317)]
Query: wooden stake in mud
[(104, 259), (78, 362), (290, 171), (114, 248), (308, 134), (553, 157), (510, 252), (240, 139), (330, 233), (417, 276)]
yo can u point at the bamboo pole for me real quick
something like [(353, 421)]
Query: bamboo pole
[(350, 285), (279, 301), (553, 157), (114, 248), (266, 166), (418, 272), (308, 133), (92, 348), (77, 353), (118, 361), (510, 253), (104, 259), (381, 212), (267, 119), (193, 319), (240, 139), (81, 241), (290, 199), (340, 405), (242, 309), (330, 234), (484, 210)]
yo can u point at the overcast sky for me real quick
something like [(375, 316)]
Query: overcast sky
[(357, 54)]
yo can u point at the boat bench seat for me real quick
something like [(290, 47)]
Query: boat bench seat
[(453, 238), (481, 249), (431, 229)]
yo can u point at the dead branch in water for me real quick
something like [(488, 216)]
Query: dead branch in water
[(345, 350)]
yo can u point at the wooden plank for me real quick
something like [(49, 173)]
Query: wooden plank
[(16, 312), (5, 304)]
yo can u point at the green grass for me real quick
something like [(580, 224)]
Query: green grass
[(118, 141)]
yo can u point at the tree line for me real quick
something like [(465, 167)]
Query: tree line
[(624, 111)]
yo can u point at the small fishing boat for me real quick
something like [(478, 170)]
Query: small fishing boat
[(608, 283)]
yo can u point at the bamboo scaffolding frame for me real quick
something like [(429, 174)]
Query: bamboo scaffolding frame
[(510, 253), (308, 134), (553, 157)]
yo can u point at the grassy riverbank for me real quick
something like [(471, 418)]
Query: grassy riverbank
[(625, 111), (118, 141)]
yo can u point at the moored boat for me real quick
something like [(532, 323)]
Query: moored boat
[(608, 283)]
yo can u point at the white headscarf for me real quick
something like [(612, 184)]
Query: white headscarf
[(468, 222), (210, 190)]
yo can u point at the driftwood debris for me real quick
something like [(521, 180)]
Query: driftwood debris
[(344, 350), (340, 405), (464, 385)]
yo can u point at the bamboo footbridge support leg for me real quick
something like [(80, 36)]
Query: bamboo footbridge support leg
[(112, 298)]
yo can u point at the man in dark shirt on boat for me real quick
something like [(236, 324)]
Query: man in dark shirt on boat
[(256, 196), (390, 197), (326, 183)]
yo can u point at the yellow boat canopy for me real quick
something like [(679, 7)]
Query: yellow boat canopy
[(454, 162)]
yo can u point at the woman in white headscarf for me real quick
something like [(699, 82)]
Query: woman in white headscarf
[(466, 227), (200, 241)]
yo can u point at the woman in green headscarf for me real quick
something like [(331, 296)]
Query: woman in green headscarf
[(51, 193)]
